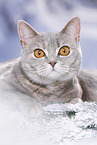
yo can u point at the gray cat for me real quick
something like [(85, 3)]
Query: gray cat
[(48, 70)]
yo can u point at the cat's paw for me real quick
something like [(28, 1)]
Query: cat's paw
[(75, 100)]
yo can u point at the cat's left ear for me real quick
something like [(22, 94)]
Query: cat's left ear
[(25, 32), (73, 28)]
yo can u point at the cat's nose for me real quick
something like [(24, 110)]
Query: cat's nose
[(52, 63)]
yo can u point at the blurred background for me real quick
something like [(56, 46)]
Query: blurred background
[(48, 15)]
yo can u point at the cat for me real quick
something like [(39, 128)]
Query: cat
[(48, 70)]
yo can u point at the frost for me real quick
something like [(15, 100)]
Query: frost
[(51, 127)]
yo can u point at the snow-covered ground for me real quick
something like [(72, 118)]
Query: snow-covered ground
[(56, 125)]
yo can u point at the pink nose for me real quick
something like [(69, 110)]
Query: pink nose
[(52, 63)]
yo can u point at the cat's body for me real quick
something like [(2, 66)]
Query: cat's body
[(48, 70)]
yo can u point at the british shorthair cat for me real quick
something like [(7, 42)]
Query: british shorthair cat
[(48, 70)]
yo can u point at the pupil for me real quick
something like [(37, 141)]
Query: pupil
[(39, 52), (64, 50)]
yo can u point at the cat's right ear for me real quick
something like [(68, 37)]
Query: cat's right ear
[(25, 32)]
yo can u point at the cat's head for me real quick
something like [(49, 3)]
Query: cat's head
[(51, 56)]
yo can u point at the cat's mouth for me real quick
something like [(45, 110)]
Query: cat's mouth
[(53, 73), (58, 74)]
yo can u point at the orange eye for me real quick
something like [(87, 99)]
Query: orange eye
[(64, 51), (39, 53)]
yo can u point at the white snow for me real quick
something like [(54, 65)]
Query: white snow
[(52, 127)]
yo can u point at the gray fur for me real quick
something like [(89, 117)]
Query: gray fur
[(34, 80), (88, 82)]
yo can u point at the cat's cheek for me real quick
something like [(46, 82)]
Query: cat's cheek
[(44, 71), (61, 68)]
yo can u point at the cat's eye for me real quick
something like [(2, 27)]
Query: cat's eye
[(64, 51), (39, 53)]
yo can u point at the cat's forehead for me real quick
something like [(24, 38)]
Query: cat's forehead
[(53, 39), (47, 40), (49, 37)]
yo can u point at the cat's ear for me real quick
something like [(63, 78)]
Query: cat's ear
[(25, 32), (73, 28)]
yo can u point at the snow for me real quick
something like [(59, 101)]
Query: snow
[(53, 126), (57, 125)]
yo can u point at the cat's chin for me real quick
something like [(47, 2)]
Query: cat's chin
[(54, 76)]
